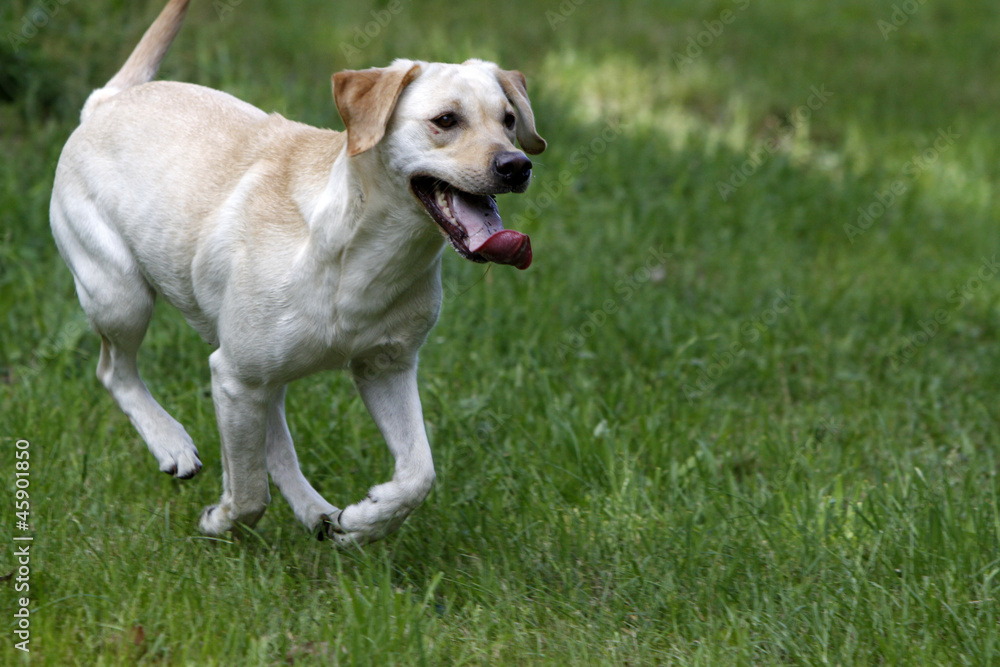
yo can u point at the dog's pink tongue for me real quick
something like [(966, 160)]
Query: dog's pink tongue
[(507, 247), (479, 216)]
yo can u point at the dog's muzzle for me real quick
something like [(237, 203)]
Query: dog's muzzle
[(472, 222)]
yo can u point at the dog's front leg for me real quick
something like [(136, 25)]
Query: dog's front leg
[(309, 506), (241, 410), (392, 399)]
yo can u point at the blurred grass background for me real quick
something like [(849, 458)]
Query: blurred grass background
[(708, 426)]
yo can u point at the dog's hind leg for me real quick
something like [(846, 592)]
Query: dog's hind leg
[(166, 439), (309, 506), (118, 302)]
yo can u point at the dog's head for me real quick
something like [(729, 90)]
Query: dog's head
[(449, 131)]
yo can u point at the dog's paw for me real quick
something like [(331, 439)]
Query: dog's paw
[(179, 458), (184, 466), (226, 516), (330, 528), (360, 529), (215, 521)]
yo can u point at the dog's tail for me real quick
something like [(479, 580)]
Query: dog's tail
[(145, 60)]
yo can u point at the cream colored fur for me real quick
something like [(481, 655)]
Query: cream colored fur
[(290, 248)]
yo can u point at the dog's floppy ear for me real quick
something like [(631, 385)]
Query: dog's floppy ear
[(365, 100), (515, 88)]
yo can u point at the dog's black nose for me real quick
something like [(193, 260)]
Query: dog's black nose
[(514, 167)]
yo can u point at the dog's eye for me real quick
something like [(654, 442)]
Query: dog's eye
[(509, 120), (446, 121)]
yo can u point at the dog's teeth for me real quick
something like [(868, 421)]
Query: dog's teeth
[(442, 204)]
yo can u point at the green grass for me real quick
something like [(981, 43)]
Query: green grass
[(642, 457)]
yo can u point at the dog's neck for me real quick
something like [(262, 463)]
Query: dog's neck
[(388, 230)]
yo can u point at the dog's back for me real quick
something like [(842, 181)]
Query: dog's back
[(131, 148)]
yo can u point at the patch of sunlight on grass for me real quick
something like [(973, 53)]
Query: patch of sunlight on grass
[(641, 97), (678, 105), (696, 103)]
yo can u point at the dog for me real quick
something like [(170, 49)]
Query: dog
[(290, 249)]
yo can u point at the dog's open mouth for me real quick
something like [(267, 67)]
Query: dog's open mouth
[(472, 223)]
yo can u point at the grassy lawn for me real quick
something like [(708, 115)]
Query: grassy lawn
[(741, 410)]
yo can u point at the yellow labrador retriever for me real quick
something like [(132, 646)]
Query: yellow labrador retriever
[(290, 248)]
